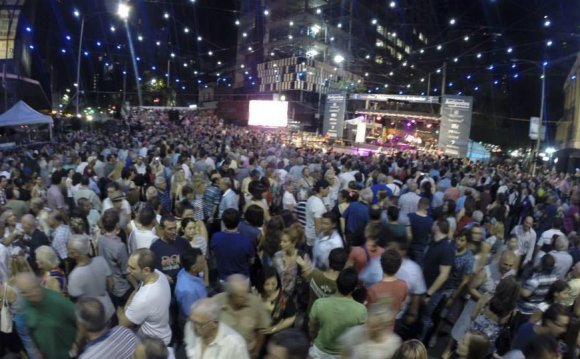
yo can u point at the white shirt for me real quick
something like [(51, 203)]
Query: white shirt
[(315, 208), (412, 274), (227, 344), (141, 238), (546, 237), (288, 200), (345, 178), (149, 309), (322, 248), (408, 203), (526, 242)]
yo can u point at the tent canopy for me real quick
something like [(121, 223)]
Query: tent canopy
[(22, 114)]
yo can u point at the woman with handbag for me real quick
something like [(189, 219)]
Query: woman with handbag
[(492, 317)]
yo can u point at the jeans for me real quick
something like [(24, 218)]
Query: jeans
[(27, 343), (427, 315)]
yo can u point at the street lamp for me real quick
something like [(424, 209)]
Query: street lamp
[(542, 66), (123, 10)]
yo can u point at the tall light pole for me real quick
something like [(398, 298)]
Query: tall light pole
[(542, 66), (123, 11), (81, 35)]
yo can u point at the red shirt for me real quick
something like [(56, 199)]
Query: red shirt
[(397, 290), (359, 258)]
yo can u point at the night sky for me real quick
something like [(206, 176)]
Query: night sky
[(477, 39)]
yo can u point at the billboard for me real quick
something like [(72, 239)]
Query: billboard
[(334, 113), (268, 113), (455, 125)]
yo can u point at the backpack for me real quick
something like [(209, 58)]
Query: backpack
[(373, 272)]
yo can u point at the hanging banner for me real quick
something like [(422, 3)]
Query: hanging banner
[(384, 97), (334, 113), (455, 128), (534, 124)]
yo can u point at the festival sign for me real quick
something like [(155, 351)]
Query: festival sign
[(455, 127)]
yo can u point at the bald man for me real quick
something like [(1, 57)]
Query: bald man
[(207, 337), (50, 317), (37, 238), (244, 312)]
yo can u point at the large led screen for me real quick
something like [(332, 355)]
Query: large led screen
[(268, 113)]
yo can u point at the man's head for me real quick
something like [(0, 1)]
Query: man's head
[(110, 220), (231, 218), (347, 281), (547, 263), (55, 219), (441, 227), (141, 264), (542, 347), (288, 344), (321, 187), (556, 319), (224, 184), (391, 261), (328, 223), (528, 223), (254, 215), (147, 216), (151, 348), (169, 227), (561, 243), (506, 262), (84, 206), (29, 287), (238, 289), (78, 247), (90, 314), (160, 183), (28, 223), (193, 260), (337, 259), (204, 317), (423, 204)]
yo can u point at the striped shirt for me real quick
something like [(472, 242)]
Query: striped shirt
[(538, 284), (117, 343), (300, 212), (211, 200)]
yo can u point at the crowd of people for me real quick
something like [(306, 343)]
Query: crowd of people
[(195, 239)]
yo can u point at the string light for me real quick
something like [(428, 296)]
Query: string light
[(439, 47), (237, 23), (452, 21), (392, 4), (549, 43), (466, 38)]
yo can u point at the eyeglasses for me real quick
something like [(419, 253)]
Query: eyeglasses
[(201, 325)]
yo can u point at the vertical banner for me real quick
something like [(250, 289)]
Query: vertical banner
[(455, 126), (534, 125), (334, 112)]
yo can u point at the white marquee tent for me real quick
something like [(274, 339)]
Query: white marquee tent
[(23, 115)]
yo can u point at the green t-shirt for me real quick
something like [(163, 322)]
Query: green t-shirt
[(52, 324), (320, 287), (335, 315)]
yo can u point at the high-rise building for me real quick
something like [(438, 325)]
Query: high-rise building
[(302, 49)]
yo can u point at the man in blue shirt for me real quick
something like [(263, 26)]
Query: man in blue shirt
[(233, 252), (190, 286)]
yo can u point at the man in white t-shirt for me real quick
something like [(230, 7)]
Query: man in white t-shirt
[(148, 306), (143, 234), (412, 274), (315, 208)]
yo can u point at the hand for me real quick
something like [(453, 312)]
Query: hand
[(268, 331), (449, 302), (410, 319), (426, 300)]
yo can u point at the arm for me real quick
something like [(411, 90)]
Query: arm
[(475, 282), (110, 284), (413, 312), (441, 278), (123, 320), (409, 233), (313, 327)]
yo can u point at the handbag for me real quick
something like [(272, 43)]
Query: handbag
[(5, 315), (504, 339)]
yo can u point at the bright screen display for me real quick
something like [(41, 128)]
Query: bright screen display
[(268, 113)]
